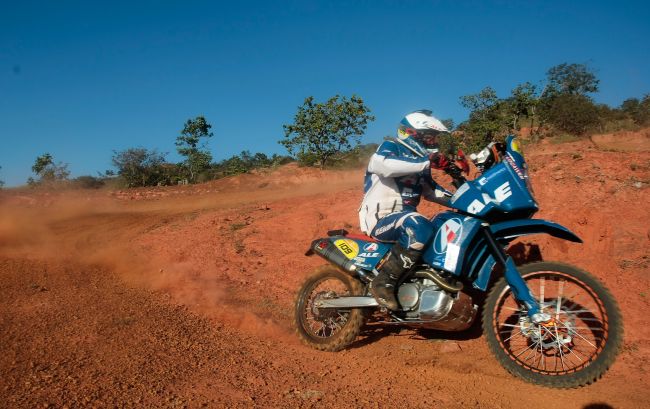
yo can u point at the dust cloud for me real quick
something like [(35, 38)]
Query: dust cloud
[(99, 231)]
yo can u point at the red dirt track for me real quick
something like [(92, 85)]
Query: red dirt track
[(182, 297)]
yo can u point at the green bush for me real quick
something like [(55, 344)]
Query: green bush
[(637, 111), (245, 162), (573, 113), (143, 167), (87, 182)]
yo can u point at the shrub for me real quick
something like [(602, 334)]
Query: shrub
[(573, 113), (87, 182)]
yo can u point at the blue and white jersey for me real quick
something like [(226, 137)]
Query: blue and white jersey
[(395, 180)]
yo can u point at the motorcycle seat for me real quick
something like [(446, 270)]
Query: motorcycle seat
[(357, 236)]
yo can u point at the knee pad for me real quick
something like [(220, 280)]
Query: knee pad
[(417, 232)]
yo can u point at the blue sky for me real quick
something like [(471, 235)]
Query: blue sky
[(81, 79)]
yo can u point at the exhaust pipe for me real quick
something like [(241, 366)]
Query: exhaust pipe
[(441, 282), (327, 250)]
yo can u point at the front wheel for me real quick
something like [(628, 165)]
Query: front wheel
[(328, 329), (575, 347)]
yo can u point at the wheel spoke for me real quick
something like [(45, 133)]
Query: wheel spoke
[(560, 290), (583, 338), (588, 328), (559, 346), (518, 310), (569, 311), (509, 325), (577, 352), (514, 334), (526, 348), (342, 317), (534, 352), (573, 352), (591, 319)]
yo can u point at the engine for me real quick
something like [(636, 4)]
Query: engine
[(430, 306)]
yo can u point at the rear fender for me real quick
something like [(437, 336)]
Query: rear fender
[(505, 232)]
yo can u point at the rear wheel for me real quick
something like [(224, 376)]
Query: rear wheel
[(575, 347), (328, 329)]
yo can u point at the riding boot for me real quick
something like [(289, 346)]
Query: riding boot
[(397, 262)]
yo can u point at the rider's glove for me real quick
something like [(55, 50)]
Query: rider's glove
[(456, 174), (453, 171), (438, 161)]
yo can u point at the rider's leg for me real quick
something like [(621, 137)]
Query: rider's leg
[(398, 261), (411, 231)]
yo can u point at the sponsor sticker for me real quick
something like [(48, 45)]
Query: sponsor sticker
[(449, 233), (348, 247), (370, 247), (516, 146), (451, 256), (501, 193), (514, 166)]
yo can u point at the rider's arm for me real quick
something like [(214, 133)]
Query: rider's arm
[(388, 163)]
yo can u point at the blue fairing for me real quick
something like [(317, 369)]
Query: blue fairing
[(501, 191)]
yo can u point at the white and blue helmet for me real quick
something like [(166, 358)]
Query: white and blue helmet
[(419, 131)]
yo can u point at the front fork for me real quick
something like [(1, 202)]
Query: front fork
[(519, 287)]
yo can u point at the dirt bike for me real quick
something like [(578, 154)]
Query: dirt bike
[(549, 323)]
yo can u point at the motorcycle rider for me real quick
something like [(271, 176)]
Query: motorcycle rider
[(398, 173)]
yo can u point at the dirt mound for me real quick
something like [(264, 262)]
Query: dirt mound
[(182, 296), (624, 141)]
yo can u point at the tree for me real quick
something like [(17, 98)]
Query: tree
[(638, 111), (197, 157), (523, 102), (48, 171), (481, 102), (140, 166), (573, 113), (2, 182), (574, 79), (321, 130), (42, 162), (644, 111), (489, 119), (564, 103), (448, 123)]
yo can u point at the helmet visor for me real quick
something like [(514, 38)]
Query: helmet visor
[(428, 138)]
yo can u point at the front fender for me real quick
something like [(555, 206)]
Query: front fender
[(523, 227), (510, 230)]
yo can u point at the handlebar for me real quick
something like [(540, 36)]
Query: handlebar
[(456, 174)]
